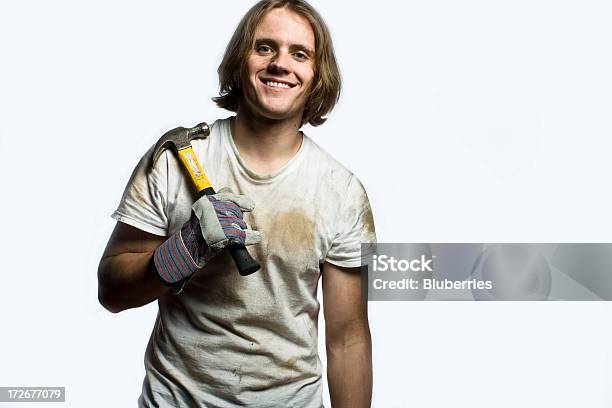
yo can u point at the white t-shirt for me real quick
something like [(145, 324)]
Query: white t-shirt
[(228, 340)]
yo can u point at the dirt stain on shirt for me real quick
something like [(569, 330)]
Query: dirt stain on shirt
[(290, 234), (291, 362), (237, 372), (368, 222), (139, 193)]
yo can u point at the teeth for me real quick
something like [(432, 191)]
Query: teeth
[(277, 84)]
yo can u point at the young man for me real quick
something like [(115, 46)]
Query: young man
[(220, 339)]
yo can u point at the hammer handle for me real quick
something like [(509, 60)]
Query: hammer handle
[(242, 258), (196, 172)]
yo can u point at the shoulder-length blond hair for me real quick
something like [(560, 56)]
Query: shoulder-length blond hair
[(326, 85)]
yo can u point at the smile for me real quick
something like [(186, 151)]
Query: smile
[(274, 84)]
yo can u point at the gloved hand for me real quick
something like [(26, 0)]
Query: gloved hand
[(216, 221)]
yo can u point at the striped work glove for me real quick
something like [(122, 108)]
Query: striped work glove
[(216, 221)]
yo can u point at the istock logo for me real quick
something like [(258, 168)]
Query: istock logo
[(383, 263)]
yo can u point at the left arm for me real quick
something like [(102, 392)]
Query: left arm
[(347, 338)]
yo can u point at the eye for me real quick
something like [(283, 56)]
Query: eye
[(263, 49), (300, 55)]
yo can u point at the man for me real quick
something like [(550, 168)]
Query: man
[(220, 339)]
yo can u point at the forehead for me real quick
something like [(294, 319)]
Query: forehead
[(286, 26)]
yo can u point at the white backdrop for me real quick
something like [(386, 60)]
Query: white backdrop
[(472, 121)]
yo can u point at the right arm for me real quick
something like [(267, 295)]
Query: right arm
[(135, 262), (126, 276)]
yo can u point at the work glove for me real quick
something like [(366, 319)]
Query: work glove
[(216, 221)]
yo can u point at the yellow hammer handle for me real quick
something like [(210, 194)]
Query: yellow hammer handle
[(190, 161)]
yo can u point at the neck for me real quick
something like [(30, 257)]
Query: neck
[(262, 140)]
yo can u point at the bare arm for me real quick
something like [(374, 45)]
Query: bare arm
[(348, 341), (125, 279)]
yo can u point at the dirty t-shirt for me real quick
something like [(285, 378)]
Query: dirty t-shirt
[(227, 340)]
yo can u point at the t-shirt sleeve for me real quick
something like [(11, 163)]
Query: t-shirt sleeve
[(143, 204), (355, 227)]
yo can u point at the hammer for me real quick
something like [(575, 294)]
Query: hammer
[(179, 141)]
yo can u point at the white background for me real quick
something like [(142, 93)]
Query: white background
[(471, 121)]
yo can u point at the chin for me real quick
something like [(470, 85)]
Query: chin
[(277, 113), (276, 116), (270, 110)]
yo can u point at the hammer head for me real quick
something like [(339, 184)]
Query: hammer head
[(179, 138)]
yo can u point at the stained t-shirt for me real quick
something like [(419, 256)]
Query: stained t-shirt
[(227, 340)]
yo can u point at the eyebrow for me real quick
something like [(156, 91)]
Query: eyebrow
[(292, 47)]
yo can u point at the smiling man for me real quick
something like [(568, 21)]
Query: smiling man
[(220, 339)]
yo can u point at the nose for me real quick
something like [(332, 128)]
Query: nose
[(279, 63)]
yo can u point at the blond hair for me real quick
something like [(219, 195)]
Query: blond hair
[(325, 89)]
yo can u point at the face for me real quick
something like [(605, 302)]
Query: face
[(280, 67)]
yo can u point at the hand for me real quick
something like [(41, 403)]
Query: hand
[(221, 219), (216, 221)]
